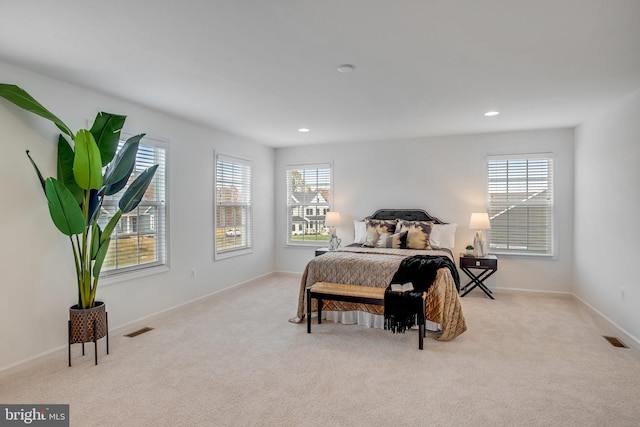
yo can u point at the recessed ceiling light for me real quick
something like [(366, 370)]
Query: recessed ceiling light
[(303, 130), (491, 113), (346, 68)]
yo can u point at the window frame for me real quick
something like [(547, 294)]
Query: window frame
[(108, 276), (551, 247), (247, 237), (289, 227)]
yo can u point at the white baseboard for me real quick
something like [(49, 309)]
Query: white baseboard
[(288, 273), (50, 354), (535, 292), (626, 337), (31, 361), (136, 323)]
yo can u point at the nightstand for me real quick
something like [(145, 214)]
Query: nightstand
[(487, 266), (321, 251)]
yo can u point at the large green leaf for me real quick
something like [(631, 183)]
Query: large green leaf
[(87, 166), (114, 188), (99, 259), (65, 211), (95, 240), (106, 132), (37, 170), (25, 101), (132, 196), (65, 168), (110, 226), (95, 202), (123, 162)]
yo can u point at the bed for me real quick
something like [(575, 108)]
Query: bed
[(371, 262)]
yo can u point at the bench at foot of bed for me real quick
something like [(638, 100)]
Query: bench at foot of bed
[(348, 293)]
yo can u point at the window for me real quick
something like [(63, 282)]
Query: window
[(520, 204), (308, 200), (232, 207), (140, 239)]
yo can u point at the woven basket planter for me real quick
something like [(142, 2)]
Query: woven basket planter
[(88, 325), (82, 323)]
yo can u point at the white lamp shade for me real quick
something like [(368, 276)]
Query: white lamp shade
[(332, 219), (479, 221)]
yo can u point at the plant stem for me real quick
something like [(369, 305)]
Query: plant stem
[(85, 255), (77, 263)]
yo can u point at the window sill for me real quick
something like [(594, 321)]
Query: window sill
[(310, 245), (230, 254), (132, 275), (523, 255)]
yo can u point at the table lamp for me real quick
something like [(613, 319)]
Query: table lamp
[(332, 220), (479, 221)]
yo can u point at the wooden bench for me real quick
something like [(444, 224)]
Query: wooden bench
[(348, 293)]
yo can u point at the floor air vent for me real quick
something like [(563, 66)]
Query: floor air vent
[(615, 341), (138, 332)]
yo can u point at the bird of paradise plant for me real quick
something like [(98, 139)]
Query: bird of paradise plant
[(87, 172)]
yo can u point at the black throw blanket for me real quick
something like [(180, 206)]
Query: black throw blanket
[(403, 310)]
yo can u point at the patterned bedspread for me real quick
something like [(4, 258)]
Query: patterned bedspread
[(376, 267)]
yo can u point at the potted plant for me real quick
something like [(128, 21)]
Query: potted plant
[(87, 172), (469, 249)]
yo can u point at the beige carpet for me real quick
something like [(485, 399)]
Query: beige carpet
[(235, 360)]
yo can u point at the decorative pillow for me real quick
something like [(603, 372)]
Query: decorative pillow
[(395, 241), (387, 226), (443, 236), (372, 238), (360, 228), (418, 234)]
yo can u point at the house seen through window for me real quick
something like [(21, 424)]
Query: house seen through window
[(139, 241), (308, 201)]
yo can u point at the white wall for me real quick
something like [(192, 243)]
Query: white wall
[(446, 177), (607, 203), (38, 283)]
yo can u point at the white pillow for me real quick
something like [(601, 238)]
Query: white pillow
[(360, 228), (443, 236)]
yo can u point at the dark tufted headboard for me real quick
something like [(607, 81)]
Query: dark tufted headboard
[(406, 214)]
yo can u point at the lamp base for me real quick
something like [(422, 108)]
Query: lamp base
[(334, 242), (479, 245)]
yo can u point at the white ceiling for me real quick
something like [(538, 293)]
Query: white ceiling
[(264, 68)]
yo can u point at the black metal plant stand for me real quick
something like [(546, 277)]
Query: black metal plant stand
[(95, 340)]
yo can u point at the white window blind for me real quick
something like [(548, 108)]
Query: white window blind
[(233, 233), (309, 189), (520, 205), (140, 239)]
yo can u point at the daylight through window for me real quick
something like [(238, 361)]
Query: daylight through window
[(308, 201), (520, 204), (139, 240), (233, 233)]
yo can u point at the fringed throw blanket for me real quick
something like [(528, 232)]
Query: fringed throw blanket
[(403, 310)]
